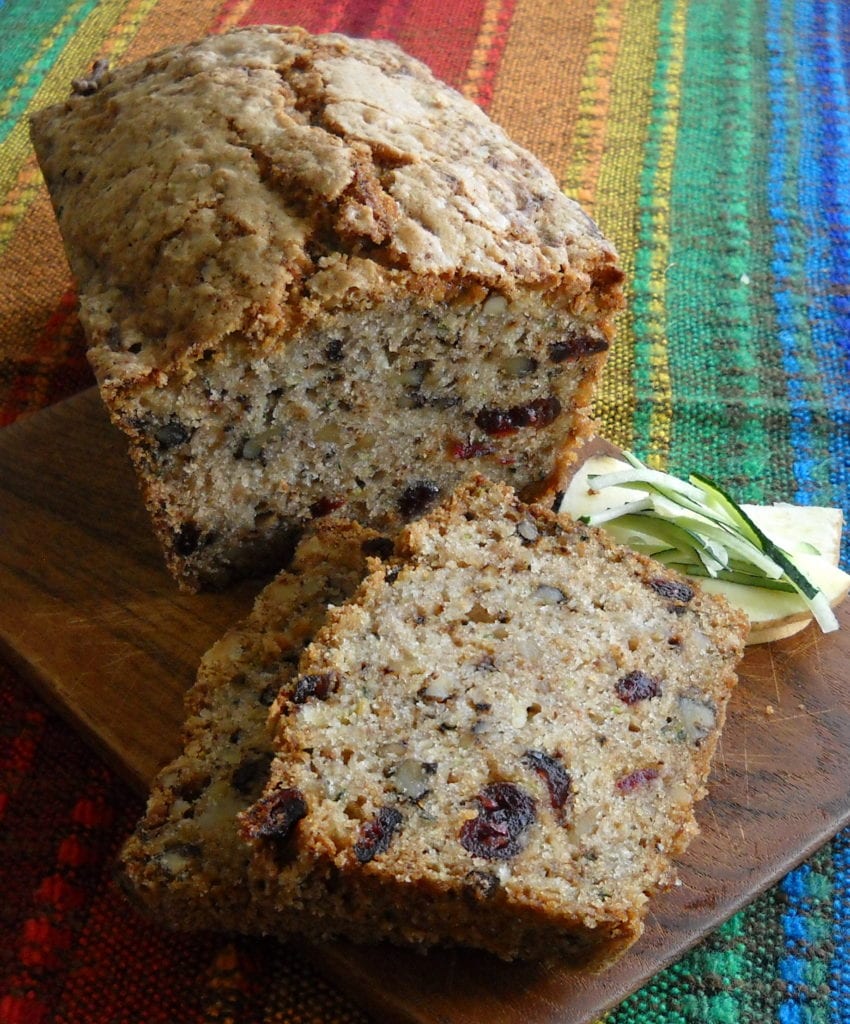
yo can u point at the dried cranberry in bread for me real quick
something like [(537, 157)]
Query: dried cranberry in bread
[(313, 278), (498, 742)]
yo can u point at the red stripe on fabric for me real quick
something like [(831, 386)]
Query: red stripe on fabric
[(129, 957), (92, 813), (316, 18), (44, 943), (388, 19), (18, 753), (58, 892), (69, 794), (55, 366), (442, 35), (25, 1009), (495, 53), (371, 19)]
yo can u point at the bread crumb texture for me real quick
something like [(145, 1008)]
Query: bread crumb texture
[(521, 716), (185, 864)]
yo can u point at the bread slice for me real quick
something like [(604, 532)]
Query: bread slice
[(185, 864), (314, 278), (497, 743)]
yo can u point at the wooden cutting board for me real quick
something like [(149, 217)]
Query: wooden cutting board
[(88, 613)]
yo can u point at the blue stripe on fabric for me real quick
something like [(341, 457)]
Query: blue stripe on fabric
[(826, 208), (781, 90), (839, 975), (792, 966)]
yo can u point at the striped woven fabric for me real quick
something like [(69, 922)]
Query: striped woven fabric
[(711, 140)]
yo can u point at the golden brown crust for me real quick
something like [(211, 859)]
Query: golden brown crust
[(285, 175)]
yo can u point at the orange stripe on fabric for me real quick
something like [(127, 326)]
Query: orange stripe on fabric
[(169, 23), (537, 87), (18, 198), (53, 362), (229, 15), (591, 132), (33, 273), (315, 17)]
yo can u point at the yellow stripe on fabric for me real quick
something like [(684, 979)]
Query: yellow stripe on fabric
[(661, 415), (106, 32), (477, 68), (589, 137), (616, 200), (126, 28)]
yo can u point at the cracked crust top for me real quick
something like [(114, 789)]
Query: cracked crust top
[(255, 181)]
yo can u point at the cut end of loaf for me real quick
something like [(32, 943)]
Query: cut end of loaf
[(377, 418)]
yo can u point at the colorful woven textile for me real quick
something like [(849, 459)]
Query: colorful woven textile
[(711, 140)]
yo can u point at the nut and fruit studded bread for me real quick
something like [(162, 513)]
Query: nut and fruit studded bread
[(314, 278), (498, 741), (185, 864)]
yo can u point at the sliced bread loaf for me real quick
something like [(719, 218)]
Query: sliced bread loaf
[(497, 743), (186, 864)]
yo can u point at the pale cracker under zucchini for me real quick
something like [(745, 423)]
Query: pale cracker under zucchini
[(812, 534)]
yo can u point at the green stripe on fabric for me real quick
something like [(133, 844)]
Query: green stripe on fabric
[(713, 353), (728, 979), (617, 196), (47, 28), (761, 946), (776, 473)]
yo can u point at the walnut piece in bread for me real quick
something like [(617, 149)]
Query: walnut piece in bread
[(314, 278)]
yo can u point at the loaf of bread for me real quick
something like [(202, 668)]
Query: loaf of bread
[(185, 864), (313, 278)]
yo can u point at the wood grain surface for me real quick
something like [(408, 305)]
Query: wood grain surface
[(88, 613)]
